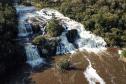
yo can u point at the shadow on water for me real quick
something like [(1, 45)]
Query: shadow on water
[(22, 74), (75, 69)]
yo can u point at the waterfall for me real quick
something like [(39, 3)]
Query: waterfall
[(23, 10), (89, 41), (24, 30), (62, 47), (33, 56), (24, 27), (86, 40)]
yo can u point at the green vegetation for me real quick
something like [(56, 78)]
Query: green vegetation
[(46, 45), (63, 65), (7, 22), (106, 18), (38, 40), (124, 53), (53, 28)]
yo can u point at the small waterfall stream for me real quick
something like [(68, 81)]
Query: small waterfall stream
[(62, 47), (91, 75), (25, 29), (33, 56)]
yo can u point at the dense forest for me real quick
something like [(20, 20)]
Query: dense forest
[(106, 18), (10, 51)]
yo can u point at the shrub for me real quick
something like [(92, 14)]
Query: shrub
[(64, 65), (47, 46), (124, 53), (53, 28), (38, 40)]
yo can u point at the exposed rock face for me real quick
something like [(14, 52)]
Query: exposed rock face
[(48, 48), (72, 35)]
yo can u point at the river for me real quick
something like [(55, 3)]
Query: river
[(91, 67)]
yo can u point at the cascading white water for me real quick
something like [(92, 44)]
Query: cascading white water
[(25, 29), (33, 56), (22, 10), (62, 47), (91, 75), (86, 41)]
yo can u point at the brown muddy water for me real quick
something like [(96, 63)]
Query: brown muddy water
[(107, 64)]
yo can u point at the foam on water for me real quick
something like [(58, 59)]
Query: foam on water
[(119, 52), (91, 75), (24, 28), (33, 56), (62, 47)]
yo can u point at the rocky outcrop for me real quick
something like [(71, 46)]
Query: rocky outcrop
[(72, 35)]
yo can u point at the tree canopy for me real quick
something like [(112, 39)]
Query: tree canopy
[(106, 18)]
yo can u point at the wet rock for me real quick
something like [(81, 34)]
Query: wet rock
[(72, 35), (37, 26), (49, 47)]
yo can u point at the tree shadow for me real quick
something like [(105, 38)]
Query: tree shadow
[(75, 69), (22, 74)]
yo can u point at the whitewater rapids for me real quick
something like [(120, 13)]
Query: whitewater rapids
[(91, 75), (86, 41)]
